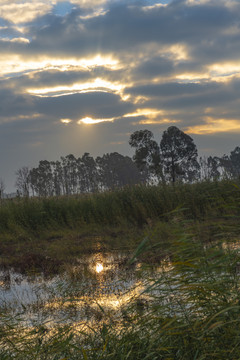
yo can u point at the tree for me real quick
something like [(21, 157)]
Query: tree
[(2, 188), (41, 179), (235, 162), (116, 170), (87, 173), (23, 181), (147, 154), (58, 182), (69, 174), (179, 156), (209, 168)]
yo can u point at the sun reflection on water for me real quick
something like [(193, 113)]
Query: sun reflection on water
[(99, 267)]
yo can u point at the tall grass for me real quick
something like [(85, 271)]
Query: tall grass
[(190, 311), (132, 205)]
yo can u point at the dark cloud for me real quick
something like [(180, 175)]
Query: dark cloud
[(75, 106), (14, 104), (54, 78), (183, 96), (96, 104), (157, 75), (171, 89), (154, 67), (124, 26)]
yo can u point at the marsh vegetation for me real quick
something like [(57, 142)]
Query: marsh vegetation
[(137, 273)]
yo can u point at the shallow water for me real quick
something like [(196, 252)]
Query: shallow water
[(97, 285)]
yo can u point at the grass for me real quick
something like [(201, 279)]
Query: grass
[(190, 311), (62, 228)]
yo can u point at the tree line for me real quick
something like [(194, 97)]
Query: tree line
[(174, 159), (73, 175)]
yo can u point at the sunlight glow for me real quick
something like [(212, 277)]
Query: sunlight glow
[(15, 63), (156, 121), (215, 126), (100, 60), (153, 116), (224, 69), (65, 121), (88, 120), (215, 72), (193, 77), (99, 267), (98, 84), (179, 52), (146, 112)]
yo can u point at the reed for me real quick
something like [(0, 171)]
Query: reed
[(190, 311), (132, 205)]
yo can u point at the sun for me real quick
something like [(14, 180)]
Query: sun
[(99, 267), (89, 121)]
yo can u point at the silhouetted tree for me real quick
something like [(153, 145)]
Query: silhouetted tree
[(23, 181), (58, 183), (2, 188), (147, 154), (179, 156), (235, 162), (42, 179), (89, 174), (116, 170)]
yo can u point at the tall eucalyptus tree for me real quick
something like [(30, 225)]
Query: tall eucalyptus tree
[(179, 154)]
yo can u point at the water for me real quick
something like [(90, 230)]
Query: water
[(96, 286)]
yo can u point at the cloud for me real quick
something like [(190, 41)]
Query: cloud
[(154, 67), (123, 65), (213, 126), (14, 104), (23, 12), (76, 106)]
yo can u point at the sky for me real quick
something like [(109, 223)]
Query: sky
[(82, 75)]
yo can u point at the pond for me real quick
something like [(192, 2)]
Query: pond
[(100, 286), (96, 285)]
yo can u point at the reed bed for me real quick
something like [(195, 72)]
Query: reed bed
[(132, 205), (190, 311)]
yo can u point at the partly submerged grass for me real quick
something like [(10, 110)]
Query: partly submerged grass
[(191, 310)]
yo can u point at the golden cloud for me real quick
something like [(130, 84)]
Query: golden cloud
[(146, 112), (156, 121), (13, 63), (90, 121), (17, 12), (65, 121), (98, 84), (212, 126)]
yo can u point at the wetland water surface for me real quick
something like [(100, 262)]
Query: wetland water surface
[(96, 285)]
